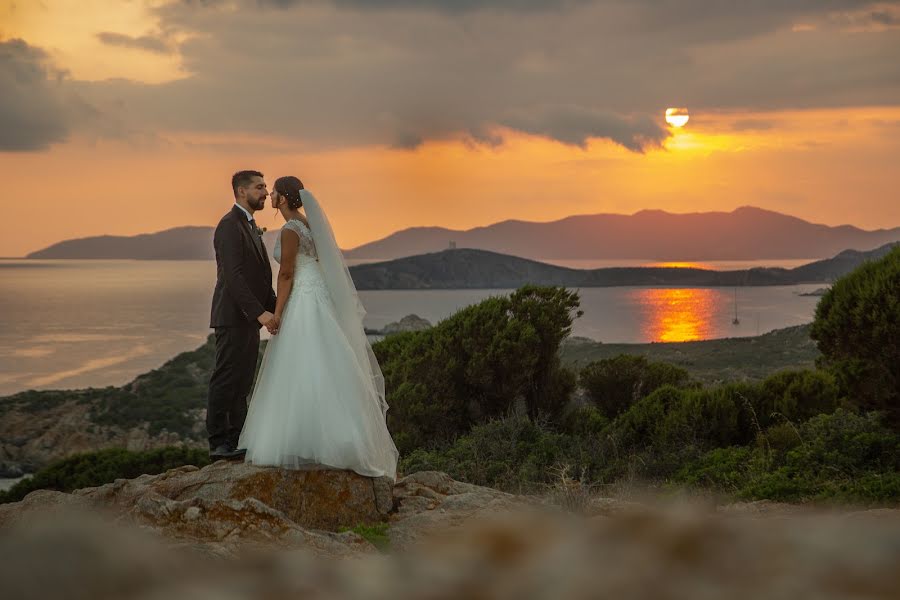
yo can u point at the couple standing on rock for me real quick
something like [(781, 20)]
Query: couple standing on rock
[(319, 396)]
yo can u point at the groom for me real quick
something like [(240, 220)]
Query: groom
[(243, 301)]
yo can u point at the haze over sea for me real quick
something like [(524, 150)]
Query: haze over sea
[(71, 323)]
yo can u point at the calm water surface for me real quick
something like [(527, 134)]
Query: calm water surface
[(5, 484), (67, 324)]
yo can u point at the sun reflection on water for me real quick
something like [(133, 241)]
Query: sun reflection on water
[(681, 265), (676, 314)]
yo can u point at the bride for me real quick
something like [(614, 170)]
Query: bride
[(319, 396)]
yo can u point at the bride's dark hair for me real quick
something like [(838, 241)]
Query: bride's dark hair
[(289, 187)]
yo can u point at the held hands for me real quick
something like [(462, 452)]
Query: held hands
[(269, 321), (274, 325)]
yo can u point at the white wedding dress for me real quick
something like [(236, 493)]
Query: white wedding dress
[(314, 404)]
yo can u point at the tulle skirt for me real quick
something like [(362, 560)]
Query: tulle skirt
[(313, 404)]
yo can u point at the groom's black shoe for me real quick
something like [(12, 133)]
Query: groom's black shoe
[(226, 452)]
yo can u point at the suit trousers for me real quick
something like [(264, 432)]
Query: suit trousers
[(237, 349)]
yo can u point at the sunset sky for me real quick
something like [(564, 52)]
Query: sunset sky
[(129, 116)]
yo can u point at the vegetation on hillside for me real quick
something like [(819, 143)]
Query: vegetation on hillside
[(711, 361), (485, 397), (471, 268), (797, 435), (105, 466)]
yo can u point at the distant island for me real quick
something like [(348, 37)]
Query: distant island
[(180, 243), (816, 292), (479, 269), (746, 233)]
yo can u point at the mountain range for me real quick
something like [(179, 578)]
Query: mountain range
[(746, 233), (479, 269)]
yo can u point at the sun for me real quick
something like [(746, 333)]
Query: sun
[(677, 117)]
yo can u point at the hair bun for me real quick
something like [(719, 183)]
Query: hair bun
[(289, 187)]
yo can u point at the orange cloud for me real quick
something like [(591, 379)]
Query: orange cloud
[(834, 167)]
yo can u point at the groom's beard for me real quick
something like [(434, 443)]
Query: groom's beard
[(258, 204)]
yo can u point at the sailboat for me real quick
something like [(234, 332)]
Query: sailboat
[(735, 321)]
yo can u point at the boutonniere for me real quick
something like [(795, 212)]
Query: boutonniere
[(261, 230)]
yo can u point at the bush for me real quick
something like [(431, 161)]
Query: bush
[(476, 365), (797, 395), (722, 468), (857, 328), (550, 311), (673, 425), (615, 384), (105, 466), (835, 457), (778, 440), (842, 457), (514, 454), (585, 421)]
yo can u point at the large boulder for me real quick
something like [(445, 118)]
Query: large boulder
[(225, 506), (314, 499)]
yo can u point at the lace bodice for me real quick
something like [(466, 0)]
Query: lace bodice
[(307, 246)]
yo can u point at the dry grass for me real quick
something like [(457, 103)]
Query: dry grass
[(570, 493)]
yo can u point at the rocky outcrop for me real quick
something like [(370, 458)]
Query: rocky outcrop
[(226, 503), (407, 323), (448, 540), (816, 292), (430, 501)]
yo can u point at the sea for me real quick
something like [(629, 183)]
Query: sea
[(68, 324), (6, 483)]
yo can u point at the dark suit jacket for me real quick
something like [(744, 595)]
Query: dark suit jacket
[(243, 274)]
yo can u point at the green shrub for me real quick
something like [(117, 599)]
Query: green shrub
[(476, 364), (105, 466), (798, 395), (615, 384), (513, 454), (778, 440), (672, 425), (857, 328), (846, 443), (585, 421), (709, 418), (837, 457), (550, 310), (722, 468)]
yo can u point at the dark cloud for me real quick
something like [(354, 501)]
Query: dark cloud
[(576, 125), (447, 6), (145, 42), (333, 73), (884, 17), (32, 113)]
